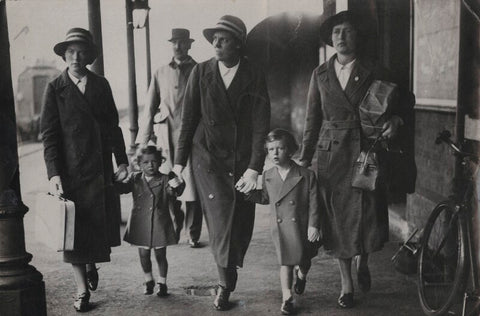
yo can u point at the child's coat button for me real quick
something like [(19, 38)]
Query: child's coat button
[(294, 220), (211, 196), (279, 220), (277, 204), (292, 202)]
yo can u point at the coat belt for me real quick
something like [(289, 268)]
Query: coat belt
[(341, 124)]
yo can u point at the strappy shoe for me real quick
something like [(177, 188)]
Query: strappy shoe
[(299, 286), (287, 307), (346, 300), (92, 279), (81, 302)]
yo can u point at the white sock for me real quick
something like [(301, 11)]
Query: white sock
[(162, 280), (286, 294), (301, 276), (148, 276)]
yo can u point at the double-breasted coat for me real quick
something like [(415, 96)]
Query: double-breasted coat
[(293, 208), (153, 221), (80, 132), (224, 130), (162, 117), (357, 220)]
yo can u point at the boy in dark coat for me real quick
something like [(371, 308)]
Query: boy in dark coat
[(153, 222)]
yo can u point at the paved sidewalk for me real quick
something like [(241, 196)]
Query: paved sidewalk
[(258, 290)]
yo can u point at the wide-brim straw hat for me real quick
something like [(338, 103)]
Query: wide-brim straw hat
[(180, 34), (230, 24), (77, 35), (339, 18)]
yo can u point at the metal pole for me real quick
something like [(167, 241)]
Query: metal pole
[(468, 108), (22, 290), (132, 87), (95, 26), (147, 48)]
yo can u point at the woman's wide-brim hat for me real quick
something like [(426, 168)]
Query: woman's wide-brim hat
[(339, 18), (77, 35), (230, 24)]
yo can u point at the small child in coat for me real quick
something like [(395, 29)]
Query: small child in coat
[(291, 191), (153, 222)]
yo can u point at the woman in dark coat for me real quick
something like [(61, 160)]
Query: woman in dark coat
[(80, 131), (225, 118), (356, 222)]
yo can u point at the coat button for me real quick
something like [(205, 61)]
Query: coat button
[(151, 208), (292, 202), (294, 220), (336, 142), (279, 220), (230, 174), (211, 196), (277, 204)]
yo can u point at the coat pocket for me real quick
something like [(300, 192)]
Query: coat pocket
[(324, 153)]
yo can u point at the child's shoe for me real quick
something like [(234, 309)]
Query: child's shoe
[(287, 307), (81, 303), (149, 286), (162, 290)]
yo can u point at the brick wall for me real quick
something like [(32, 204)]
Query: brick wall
[(435, 166)]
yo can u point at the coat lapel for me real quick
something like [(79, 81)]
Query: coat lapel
[(333, 84), (71, 93), (239, 84), (292, 179), (214, 85), (359, 75)]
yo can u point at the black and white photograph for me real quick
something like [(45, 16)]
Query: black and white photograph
[(240, 157)]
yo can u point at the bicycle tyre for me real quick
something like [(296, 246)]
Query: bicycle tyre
[(441, 276)]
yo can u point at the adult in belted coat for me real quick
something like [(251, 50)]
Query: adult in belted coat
[(225, 118), (356, 222), (79, 126)]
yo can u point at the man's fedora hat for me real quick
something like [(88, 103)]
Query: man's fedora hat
[(230, 24), (339, 18), (181, 34), (77, 35)]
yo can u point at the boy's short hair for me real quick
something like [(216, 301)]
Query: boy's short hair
[(284, 135), (150, 150)]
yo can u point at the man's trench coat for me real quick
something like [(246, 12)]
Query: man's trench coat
[(224, 130), (357, 220), (80, 132)]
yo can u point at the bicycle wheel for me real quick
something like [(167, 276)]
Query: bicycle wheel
[(441, 264)]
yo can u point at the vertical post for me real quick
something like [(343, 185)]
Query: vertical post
[(468, 109), (147, 47), (132, 87), (95, 26), (22, 290)]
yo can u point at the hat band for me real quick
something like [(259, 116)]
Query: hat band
[(231, 26), (77, 37)]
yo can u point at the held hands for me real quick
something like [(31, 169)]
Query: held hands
[(247, 182), (304, 163), (390, 127), (55, 186), (313, 234), (122, 173)]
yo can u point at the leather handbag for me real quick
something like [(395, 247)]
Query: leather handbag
[(366, 169)]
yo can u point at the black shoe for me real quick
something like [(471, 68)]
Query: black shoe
[(81, 302), (299, 286), (149, 286), (92, 279), (194, 243), (162, 290), (287, 307), (346, 300), (221, 302)]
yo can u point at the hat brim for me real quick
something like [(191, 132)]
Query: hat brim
[(327, 26), (208, 33), (61, 47), (181, 38)]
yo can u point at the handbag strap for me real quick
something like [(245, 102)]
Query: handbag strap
[(364, 164)]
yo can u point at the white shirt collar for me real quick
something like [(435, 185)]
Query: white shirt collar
[(347, 66), (80, 83), (343, 72), (226, 73)]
